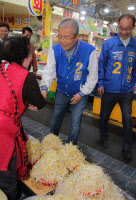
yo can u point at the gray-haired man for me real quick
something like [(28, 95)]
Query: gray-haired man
[(75, 64)]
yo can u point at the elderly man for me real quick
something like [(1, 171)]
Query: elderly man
[(27, 32), (4, 31), (75, 64), (117, 75)]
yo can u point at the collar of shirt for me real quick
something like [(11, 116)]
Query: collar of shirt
[(125, 42), (69, 54)]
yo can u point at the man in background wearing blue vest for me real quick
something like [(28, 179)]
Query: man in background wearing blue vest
[(117, 75), (75, 64)]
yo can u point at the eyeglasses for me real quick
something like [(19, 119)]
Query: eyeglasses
[(124, 29), (66, 38), (3, 31)]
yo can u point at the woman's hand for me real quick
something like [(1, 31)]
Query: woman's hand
[(31, 107)]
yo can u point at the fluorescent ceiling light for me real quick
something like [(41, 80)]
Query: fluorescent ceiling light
[(115, 24), (17, 32), (104, 25), (52, 33), (83, 12), (131, 7), (106, 10), (82, 18), (105, 22)]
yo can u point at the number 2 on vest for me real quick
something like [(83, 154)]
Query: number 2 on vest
[(115, 71), (77, 71)]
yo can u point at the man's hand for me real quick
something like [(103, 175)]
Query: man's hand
[(101, 91), (76, 98), (31, 107), (44, 93)]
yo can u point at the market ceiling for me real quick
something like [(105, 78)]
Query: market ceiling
[(116, 7), (14, 7)]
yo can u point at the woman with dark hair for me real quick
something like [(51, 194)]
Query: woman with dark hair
[(18, 88)]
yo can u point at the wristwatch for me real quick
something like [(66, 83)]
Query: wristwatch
[(44, 87)]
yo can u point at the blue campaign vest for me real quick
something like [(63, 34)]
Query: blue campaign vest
[(70, 76), (119, 66)]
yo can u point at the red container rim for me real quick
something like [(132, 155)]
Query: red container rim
[(75, 167), (42, 63), (48, 183), (30, 164), (92, 194)]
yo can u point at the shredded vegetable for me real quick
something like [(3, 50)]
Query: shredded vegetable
[(33, 147), (50, 141), (49, 168), (85, 183), (89, 181), (71, 156), (56, 197)]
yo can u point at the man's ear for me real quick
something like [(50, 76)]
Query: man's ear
[(77, 36)]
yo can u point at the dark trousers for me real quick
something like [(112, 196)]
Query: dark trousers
[(108, 102), (8, 180)]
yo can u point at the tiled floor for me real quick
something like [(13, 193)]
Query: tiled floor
[(89, 132), (122, 174)]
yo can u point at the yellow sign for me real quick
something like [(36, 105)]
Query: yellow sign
[(46, 43), (35, 7), (46, 48), (46, 22), (15, 22), (46, 32)]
